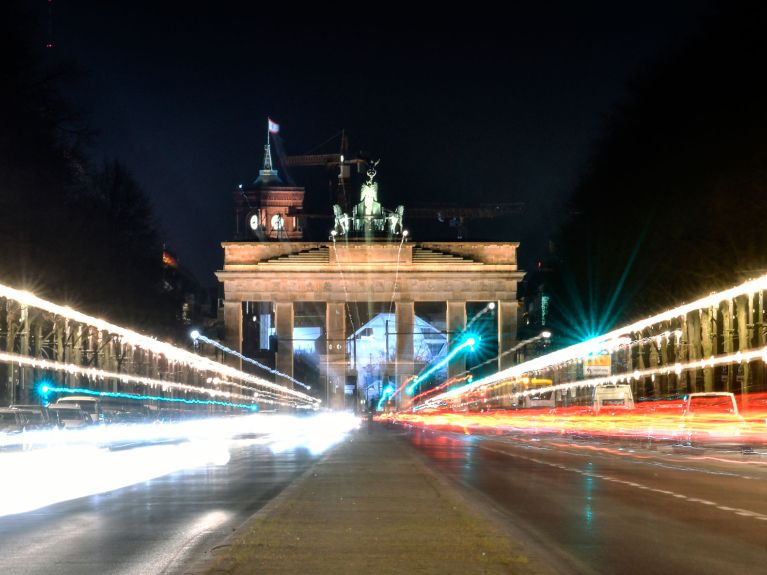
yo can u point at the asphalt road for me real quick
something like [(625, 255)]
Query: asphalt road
[(149, 528), (602, 508)]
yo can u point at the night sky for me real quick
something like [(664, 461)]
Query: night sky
[(461, 107)]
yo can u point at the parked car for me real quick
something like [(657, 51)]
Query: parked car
[(126, 417), (93, 406), (12, 421), (69, 416), (36, 414)]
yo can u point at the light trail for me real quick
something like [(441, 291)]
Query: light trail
[(102, 458), (343, 282), (469, 342), (387, 394), (46, 389), (656, 421), (677, 368), (396, 272), (94, 373), (197, 336), (466, 376), (617, 338), (135, 339)]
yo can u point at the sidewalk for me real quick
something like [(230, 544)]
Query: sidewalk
[(370, 506)]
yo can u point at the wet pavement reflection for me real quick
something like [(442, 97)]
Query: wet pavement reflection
[(152, 527), (594, 508)]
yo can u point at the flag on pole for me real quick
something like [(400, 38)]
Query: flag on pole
[(274, 127)]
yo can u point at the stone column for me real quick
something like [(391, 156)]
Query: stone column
[(233, 327), (456, 324), (335, 355), (507, 332), (405, 318), (283, 323)]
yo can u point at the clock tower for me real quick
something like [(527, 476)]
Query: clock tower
[(268, 209)]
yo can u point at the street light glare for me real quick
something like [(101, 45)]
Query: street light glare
[(195, 334), (546, 334)]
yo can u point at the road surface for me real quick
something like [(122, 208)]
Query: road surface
[(152, 527), (607, 508)]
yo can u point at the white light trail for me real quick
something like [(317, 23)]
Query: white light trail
[(169, 351), (94, 373), (81, 462), (197, 336), (617, 338), (677, 368)]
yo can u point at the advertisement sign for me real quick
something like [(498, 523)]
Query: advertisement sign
[(597, 366)]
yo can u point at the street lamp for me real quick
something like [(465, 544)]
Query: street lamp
[(544, 335)]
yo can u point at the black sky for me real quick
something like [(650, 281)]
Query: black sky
[(470, 106)]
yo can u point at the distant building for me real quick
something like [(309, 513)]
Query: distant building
[(267, 209), (195, 305)]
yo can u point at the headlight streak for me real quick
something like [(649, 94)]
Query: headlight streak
[(617, 338), (466, 376), (655, 421), (135, 339), (197, 336), (96, 373), (140, 397), (469, 342), (55, 465), (387, 394), (520, 370), (326, 431)]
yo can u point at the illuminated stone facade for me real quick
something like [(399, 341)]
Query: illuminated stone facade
[(396, 273)]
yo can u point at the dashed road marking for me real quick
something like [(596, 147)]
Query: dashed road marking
[(739, 512)]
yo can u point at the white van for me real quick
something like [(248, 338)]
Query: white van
[(93, 406), (613, 397)]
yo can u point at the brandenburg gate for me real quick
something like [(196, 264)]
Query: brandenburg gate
[(381, 307)]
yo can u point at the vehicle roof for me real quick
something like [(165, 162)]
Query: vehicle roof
[(78, 398), (65, 407)]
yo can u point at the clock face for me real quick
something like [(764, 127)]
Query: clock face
[(278, 222), (253, 222)]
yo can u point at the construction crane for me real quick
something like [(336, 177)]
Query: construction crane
[(339, 182)]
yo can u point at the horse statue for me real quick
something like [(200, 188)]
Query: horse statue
[(395, 220), (342, 220)]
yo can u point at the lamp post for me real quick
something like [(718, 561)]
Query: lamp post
[(522, 345)]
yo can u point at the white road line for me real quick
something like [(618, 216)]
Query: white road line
[(739, 512)]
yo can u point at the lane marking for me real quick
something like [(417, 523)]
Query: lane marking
[(734, 510), (577, 450)]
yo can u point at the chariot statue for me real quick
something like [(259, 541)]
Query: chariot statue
[(368, 215)]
